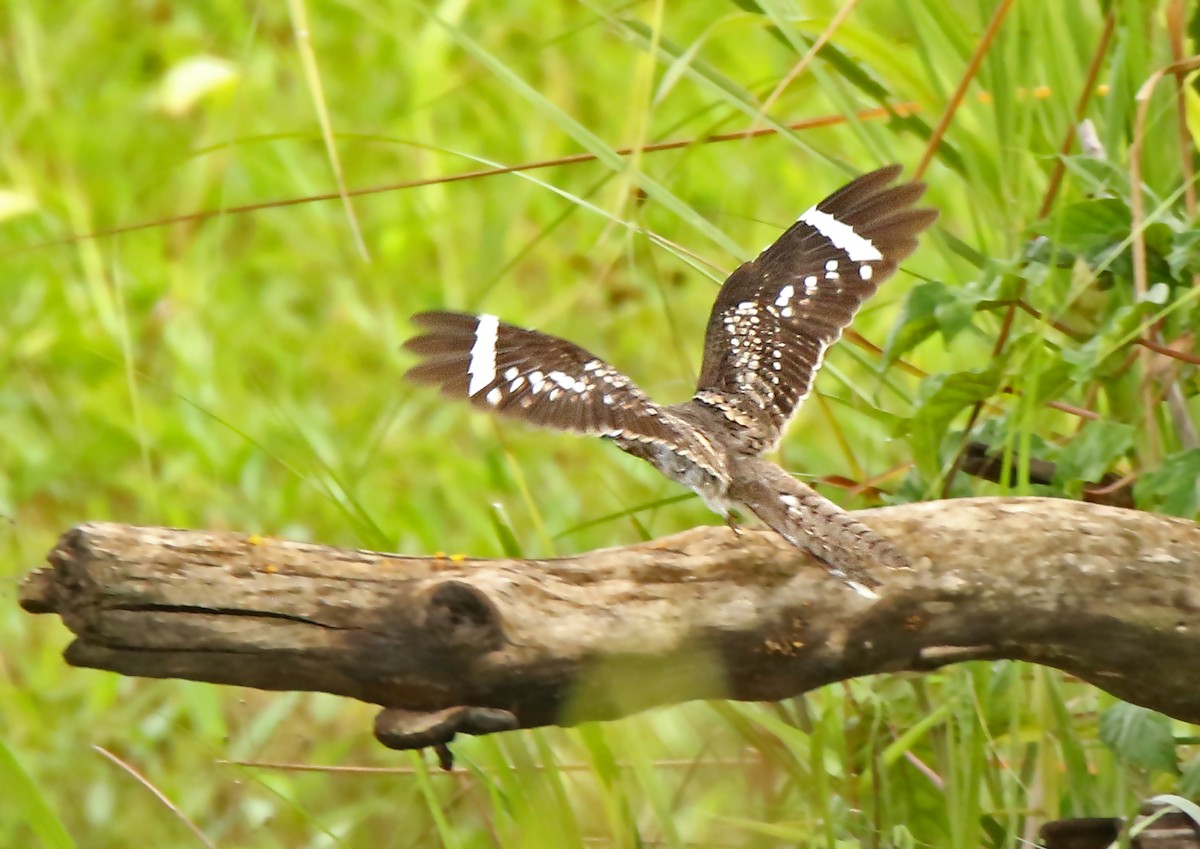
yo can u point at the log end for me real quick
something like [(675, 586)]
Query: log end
[(37, 592), (47, 589)]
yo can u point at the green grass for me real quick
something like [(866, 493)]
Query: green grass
[(244, 372)]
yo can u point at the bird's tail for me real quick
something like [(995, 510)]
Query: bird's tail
[(805, 518)]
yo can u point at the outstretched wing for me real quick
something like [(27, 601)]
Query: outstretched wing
[(775, 317), (546, 381)]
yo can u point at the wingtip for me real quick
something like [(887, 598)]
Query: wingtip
[(888, 172), (432, 318), (423, 318)]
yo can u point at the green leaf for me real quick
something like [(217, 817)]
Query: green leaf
[(997, 834), (1139, 736), (931, 307), (1159, 239), (1094, 451), (1189, 779), (942, 397), (1121, 327), (916, 324), (505, 533), (1090, 227), (1184, 256), (1036, 365), (1097, 177), (1174, 487), (25, 796), (963, 249), (1098, 231)]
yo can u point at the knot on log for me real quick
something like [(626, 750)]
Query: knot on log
[(463, 617)]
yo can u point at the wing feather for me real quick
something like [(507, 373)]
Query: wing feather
[(775, 317), (546, 381)]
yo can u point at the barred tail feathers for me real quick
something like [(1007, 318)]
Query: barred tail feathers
[(845, 546)]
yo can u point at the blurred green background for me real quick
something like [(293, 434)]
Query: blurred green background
[(241, 371)]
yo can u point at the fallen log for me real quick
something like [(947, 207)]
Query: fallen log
[(449, 645)]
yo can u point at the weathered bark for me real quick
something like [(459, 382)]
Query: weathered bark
[(452, 644)]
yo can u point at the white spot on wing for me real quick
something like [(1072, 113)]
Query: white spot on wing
[(562, 379), (842, 235), (482, 367), (494, 396)]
